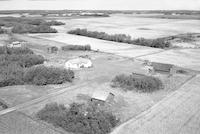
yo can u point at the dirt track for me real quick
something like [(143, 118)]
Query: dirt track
[(175, 114)]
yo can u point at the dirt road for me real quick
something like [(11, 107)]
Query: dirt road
[(179, 113), (38, 100)]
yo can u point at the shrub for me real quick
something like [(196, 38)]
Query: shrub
[(41, 75), (137, 82), (78, 118), (157, 43), (76, 47)]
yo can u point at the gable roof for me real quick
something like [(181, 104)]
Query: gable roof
[(101, 95), (162, 66)]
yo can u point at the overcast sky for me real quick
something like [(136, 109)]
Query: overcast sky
[(101, 4)]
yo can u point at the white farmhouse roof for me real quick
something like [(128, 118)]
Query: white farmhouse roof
[(78, 63), (100, 95)]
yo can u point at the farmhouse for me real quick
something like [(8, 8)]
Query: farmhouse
[(78, 63), (101, 97), (52, 49)]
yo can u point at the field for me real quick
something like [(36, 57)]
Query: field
[(109, 59), (135, 26)]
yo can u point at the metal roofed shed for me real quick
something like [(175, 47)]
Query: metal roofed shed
[(163, 68), (101, 97)]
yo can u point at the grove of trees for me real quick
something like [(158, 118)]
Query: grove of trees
[(27, 25), (137, 82), (78, 118), (76, 47), (156, 43), (17, 67)]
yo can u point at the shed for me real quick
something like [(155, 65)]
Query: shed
[(163, 68), (52, 49), (101, 97), (78, 63)]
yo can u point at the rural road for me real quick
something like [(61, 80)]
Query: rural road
[(179, 113)]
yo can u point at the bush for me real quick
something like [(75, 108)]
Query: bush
[(137, 82), (78, 118), (157, 43), (76, 47), (41, 75)]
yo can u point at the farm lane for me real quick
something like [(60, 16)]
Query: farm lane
[(38, 100), (176, 114)]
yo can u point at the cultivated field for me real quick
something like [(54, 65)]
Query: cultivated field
[(109, 59), (135, 26)]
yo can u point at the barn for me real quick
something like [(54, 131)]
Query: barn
[(78, 63)]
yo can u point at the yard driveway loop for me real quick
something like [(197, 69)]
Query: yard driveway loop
[(178, 113)]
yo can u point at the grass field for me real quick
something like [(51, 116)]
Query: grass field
[(106, 67)]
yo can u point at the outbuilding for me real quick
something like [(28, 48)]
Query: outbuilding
[(101, 97), (15, 44), (78, 63), (163, 68)]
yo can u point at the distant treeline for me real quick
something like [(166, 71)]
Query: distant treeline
[(24, 25), (26, 28), (76, 47), (122, 38)]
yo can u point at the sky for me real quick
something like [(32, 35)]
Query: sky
[(100, 4)]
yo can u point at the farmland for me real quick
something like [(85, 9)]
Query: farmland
[(109, 59)]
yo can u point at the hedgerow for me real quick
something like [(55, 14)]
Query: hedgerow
[(157, 43), (76, 47)]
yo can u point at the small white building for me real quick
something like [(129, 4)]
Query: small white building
[(15, 44), (78, 63)]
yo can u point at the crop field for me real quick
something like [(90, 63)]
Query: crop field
[(135, 26), (109, 59)]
